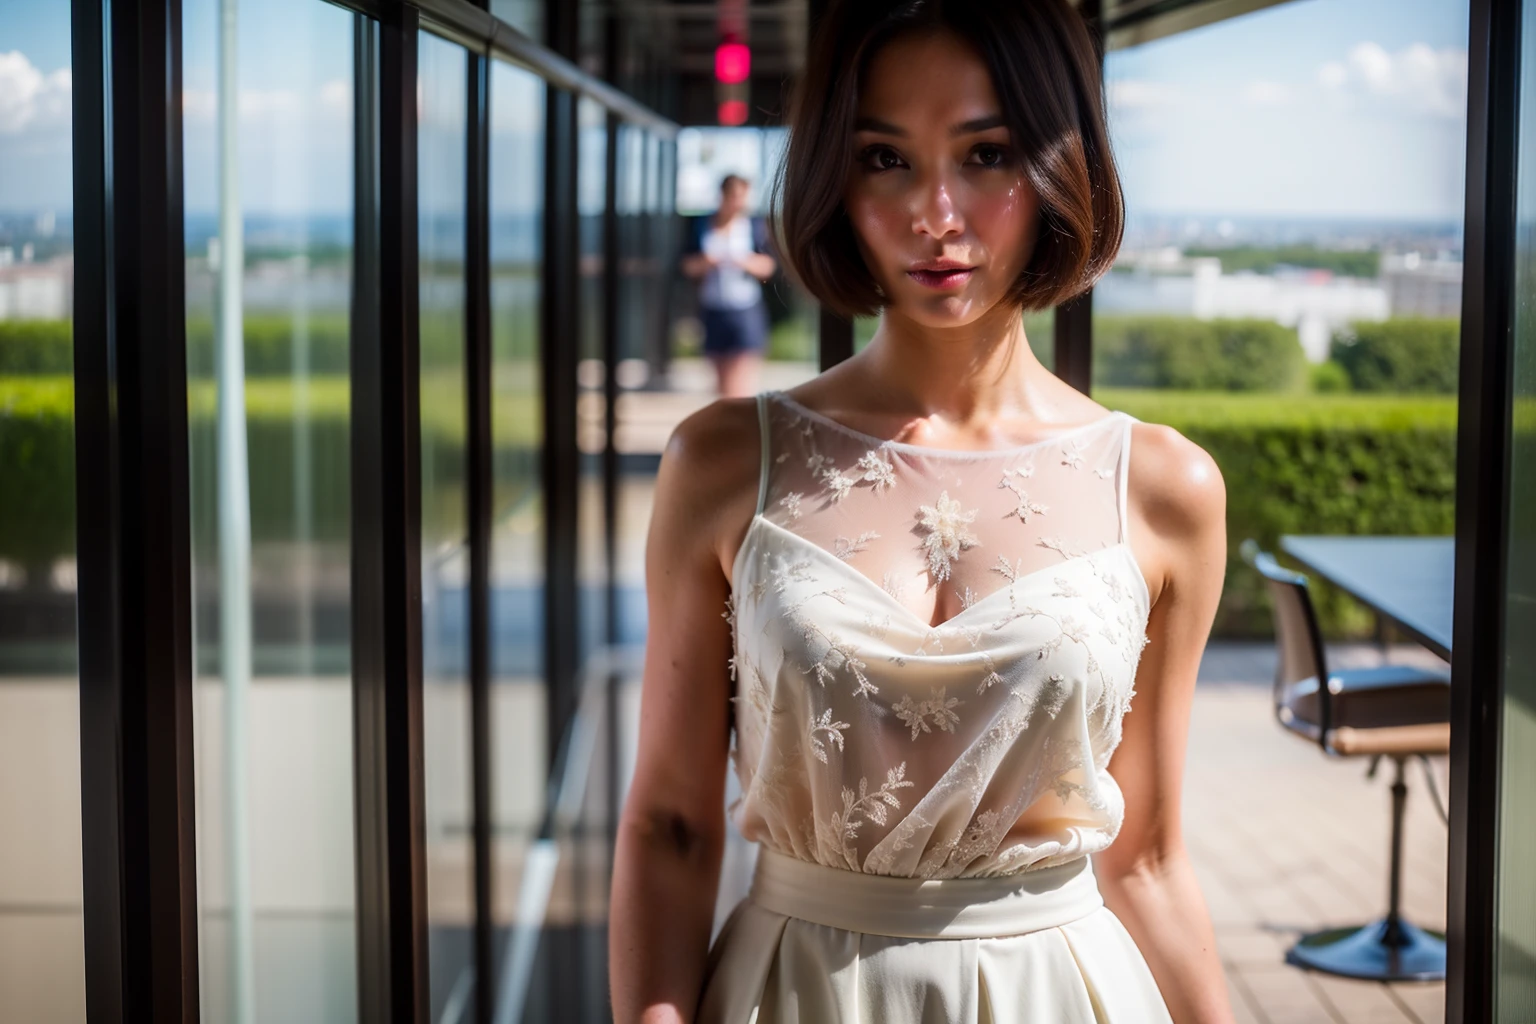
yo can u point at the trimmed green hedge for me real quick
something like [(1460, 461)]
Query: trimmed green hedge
[(1345, 464), (1186, 354), (1264, 260), (36, 347), (1406, 355), (1292, 464)]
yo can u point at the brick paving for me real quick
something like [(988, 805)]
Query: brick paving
[(1287, 841)]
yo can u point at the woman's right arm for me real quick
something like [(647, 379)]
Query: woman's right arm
[(672, 830), (697, 264)]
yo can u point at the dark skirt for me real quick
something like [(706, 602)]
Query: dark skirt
[(731, 331)]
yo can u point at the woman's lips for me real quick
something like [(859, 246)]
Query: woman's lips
[(943, 280)]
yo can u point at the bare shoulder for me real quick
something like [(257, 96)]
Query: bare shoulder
[(1176, 494), (706, 487)]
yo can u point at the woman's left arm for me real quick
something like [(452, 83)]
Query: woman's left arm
[(1178, 503)]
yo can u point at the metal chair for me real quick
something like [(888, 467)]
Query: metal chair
[(1394, 711)]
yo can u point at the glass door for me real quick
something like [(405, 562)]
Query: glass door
[(1515, 938)]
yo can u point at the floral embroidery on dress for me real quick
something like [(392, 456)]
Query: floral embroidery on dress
[(1026, 507), (864, 806), (877, 470), (992, 678), (1072, 454), (938, 706), (1060, 547), (947, 533), (845, 549), (834, 731), (791, 503), (838, 482), (837, 656)]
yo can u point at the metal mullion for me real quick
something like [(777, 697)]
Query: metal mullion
[(1072, 324), (133, 515), (386, 529), (559, 344), (834, 332), (479, 369), (1072, 335), (1482, 506)]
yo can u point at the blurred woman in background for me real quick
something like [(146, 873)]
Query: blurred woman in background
[(728, 253)]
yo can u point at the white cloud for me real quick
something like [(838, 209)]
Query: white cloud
[(256, 105), (30, 99), (1127, 95), (1266, 94), (1419, 77), (336, 97)]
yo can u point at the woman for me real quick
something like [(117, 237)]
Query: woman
[(728, 252), (944, 574)]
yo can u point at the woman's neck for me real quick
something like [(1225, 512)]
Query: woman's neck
[(967, 375)]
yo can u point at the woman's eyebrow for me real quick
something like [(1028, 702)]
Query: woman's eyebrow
[(980, 124)]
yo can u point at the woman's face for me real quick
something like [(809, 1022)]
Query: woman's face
[(936, 177)]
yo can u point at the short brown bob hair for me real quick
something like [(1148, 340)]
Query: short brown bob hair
[(1046, 73)]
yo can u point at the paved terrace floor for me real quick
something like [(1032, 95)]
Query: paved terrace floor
[(1288, 841)]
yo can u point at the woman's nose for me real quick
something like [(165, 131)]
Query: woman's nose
[(935, 210)]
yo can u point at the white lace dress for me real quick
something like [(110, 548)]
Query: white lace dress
[(926, 796)]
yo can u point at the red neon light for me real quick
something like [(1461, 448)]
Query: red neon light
[(733, 112), (733, 62)]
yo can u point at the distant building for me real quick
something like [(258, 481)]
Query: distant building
[(1314, 302), (1420, 286), (37, 291)]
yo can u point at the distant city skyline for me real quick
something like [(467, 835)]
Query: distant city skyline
[(1323, 109)]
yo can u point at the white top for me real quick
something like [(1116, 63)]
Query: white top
[(869, 735), (729, 286)]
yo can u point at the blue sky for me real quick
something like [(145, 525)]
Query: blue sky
[(1319, 108), (1333, 108)]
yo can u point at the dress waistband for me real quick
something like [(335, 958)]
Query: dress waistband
[(949, 908)]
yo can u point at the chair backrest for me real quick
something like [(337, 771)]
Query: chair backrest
[(1297, 636)]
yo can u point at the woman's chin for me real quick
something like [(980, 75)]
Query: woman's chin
[(940, 311)]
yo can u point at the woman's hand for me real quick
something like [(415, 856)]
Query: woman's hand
[(672, 830), (1178, 532)]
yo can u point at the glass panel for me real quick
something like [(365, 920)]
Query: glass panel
[(42, 952), (1515, 951), (520, 744), (1294, 202), (268, 241), (591, 184), (527, 16), (444, 525)]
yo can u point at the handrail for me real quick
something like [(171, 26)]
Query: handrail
[(480, 31), (562, 809)]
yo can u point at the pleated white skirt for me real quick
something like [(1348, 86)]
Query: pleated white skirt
[(818, 945)]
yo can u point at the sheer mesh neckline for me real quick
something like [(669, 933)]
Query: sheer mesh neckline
[(929, 450), (951, 710)]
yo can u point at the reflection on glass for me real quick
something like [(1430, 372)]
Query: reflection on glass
[(1292, 254), (591, 185), (42, 953), (444, 526), (268, 153), (527, 16), (1515, 950), (520, 747)]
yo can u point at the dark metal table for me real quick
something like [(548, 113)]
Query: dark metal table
[(1408, 581)]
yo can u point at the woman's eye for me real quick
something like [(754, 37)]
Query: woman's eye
[(992, 156), (873, 158)]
